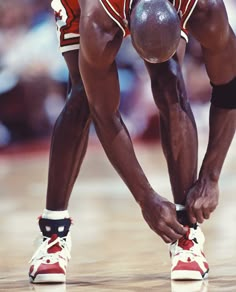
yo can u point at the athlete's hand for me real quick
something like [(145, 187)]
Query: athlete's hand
[(202, 200), (160, 215)]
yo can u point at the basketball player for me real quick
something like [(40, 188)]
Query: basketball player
[(154, 29)]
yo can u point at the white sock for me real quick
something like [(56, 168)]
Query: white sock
[(55, 215), (179, 207)]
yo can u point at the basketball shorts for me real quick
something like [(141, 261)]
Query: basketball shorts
[(67, 16)]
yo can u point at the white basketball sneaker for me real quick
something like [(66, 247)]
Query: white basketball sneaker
[(188, 259), (49, 262)]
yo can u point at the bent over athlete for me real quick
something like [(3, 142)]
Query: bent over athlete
[(102, 26)]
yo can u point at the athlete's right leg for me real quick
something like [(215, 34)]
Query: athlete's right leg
[(68, 147), (69, 140)]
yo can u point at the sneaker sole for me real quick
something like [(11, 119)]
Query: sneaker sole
[(188, 275), (48, 278)]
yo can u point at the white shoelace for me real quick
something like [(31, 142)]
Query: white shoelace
[(42, 251)]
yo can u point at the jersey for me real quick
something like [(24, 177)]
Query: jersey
[(67, 16)]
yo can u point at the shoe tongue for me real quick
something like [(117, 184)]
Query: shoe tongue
[(56, 247)]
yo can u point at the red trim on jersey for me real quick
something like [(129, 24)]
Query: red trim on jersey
[(184, 8), (187, 9), (116, 14), (119, 10), (72, 23), (177, 5), (127, 9)]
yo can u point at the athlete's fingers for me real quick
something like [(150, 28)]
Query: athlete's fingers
[(179, 229), (199, 215), (166, 239), (206, 214), (191, 215), (175, 230)]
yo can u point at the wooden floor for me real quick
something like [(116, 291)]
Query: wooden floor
[(113, 248)]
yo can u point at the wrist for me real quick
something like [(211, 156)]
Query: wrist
[(143, 198), (209, 175)]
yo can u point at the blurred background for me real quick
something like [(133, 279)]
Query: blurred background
[(33, 77)]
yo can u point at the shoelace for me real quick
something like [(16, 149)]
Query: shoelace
[(43, 248), (188, 244)]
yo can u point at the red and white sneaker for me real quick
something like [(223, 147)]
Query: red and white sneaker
[(49, 262), (188, 259)]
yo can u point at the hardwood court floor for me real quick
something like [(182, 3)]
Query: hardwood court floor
[(113, 248)]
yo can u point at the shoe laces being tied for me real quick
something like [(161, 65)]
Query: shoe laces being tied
[(189, 244)]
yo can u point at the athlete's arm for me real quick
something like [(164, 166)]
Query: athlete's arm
[(98, 48), (203, 197), (219, 57)]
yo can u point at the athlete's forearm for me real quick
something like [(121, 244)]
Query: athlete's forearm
[(119, 149), (102, 88), (222, 130)]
